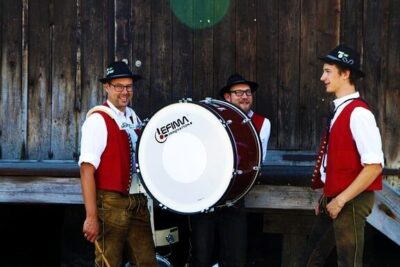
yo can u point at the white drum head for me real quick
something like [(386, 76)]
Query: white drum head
[(186, 158)]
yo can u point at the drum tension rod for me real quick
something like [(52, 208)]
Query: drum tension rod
[(185, 100), (238, 172), (246, 120)]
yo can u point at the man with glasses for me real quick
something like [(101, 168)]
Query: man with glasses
[(227, 226), (117, 217)]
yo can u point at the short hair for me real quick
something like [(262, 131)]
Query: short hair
[(353, 76)]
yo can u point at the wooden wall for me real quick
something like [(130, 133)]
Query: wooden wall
[(53, 52)]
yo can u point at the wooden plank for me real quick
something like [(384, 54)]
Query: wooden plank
[(311, 108), (40, 190), (266, 100), (53, 168), (224, 49), (374, 65), (39, 79), (289, 37), (351, 23), (246, 38), (93, 59), (203, 55), (385, 215), (281, 197), (182, 54), (12, 105), (141, 52), (63, 53), (161, 51), (123, 34), (391, 125)]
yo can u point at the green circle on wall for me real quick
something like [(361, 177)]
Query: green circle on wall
[(200, 14)]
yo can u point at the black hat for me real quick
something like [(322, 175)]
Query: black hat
[(237, 79), (119, 69), (345, 57)]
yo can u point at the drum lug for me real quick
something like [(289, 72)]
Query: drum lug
[(144, 122), (256, 168), (246, 120), (208, 100), (185, 100), (162, 206), (228, 122), (238, 172), (229, 203)]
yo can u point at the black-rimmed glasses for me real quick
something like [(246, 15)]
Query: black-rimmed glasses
[(120, 87), (248, 92)]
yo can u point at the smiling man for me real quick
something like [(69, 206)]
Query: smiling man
[(349, 165), (117, 218), (227, 226)]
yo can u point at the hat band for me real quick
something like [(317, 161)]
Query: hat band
[(344, 59)]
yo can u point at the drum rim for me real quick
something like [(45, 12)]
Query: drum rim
[(259, 150)]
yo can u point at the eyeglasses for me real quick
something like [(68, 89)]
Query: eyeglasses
[(248, 92), (120, 87)]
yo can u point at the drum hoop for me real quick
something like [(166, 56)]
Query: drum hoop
[(258, 142), (148, 191)]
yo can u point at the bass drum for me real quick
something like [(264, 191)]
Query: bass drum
[(195, 156)]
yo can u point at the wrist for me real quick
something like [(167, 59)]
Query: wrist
[(340, 201)]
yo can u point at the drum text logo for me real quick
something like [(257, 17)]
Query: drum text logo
[(171, 128)]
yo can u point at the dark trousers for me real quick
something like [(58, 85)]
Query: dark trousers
[(124, 227), (226, 227), (346, 232)]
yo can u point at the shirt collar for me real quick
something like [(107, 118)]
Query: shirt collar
[(250, 113), (342, 99), (119, 112)]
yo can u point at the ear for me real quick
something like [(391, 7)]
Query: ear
[(346, 74), (227, 97), (106, 87)]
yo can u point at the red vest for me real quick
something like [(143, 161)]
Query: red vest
[(258, 121), (344, 163), (113, 173)]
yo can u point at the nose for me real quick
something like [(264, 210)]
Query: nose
[(322, 77)]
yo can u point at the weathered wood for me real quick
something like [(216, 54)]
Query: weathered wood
[(161, 50), (63, 123), (281, 197), (351, 23), (51, 168), (289, 58), (246, 38), (266, 100), (391, 126), (12, 106), (203, 56), (182, 54), (39, 80), (224, 35), (312, 109), (374, 65), (123, 34), (40, 190), (385, 215), (93, 61), (141, 51)]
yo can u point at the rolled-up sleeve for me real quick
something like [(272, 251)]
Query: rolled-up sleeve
[(94, 140), (367, 136)]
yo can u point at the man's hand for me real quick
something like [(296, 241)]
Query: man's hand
[(91, 229), (334, 207)]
